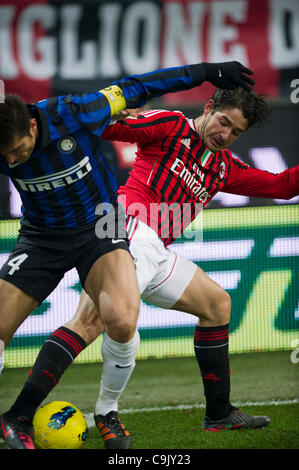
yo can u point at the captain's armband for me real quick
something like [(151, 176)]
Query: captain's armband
[(115, 97)]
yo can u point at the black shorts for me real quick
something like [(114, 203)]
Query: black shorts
[(41, 257)]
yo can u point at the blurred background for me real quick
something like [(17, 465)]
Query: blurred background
[(250, 246)]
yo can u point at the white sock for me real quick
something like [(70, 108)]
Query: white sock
[(1, 355), (118, 365)]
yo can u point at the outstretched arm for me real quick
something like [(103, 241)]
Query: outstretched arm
[(248, 181), (138, 89), (94, 110)]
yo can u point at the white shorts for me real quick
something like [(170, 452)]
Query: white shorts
[(162, 274)]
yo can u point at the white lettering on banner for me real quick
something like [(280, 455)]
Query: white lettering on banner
[(284, 53), (148, 59), (220, 33), (181, 34), (71, 65), (109, 15), (129, 38), (8, 66), (28, 45)]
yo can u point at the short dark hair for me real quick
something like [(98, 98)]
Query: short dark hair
[(255, 107), (14, 120)]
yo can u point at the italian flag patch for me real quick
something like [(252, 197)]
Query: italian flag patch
[(206, 157)]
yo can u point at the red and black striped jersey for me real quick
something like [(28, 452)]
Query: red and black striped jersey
[(175, 175)]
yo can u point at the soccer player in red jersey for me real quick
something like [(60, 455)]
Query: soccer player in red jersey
[(184, 163), (180, 165)]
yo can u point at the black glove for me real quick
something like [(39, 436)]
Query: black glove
[(228, 75)]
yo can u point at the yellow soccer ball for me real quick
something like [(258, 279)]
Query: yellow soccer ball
[(59, 425)]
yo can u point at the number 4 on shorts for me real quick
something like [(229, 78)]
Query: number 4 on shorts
[(16, 262)]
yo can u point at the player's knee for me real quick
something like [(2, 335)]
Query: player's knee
[(120, 317), (222, 308), (218, 311), (122, 332), (122, 327)]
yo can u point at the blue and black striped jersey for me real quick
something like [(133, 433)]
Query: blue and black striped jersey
[(66, 176)]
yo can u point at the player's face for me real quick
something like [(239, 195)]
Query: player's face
[(222, 128), (21, 148)]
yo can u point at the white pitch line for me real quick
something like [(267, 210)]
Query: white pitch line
[(90, 419)]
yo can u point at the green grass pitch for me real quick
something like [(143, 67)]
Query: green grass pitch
[(163, 404)]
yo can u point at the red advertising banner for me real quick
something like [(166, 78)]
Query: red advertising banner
[(216, 31), (56, 46), (23, 36)]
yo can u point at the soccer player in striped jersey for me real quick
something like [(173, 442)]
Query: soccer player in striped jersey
[(183, 163), (180, 165), (51, 152)]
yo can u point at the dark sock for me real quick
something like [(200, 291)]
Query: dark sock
[(211, 350), (57, 353)]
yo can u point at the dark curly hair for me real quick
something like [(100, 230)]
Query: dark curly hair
[(255, 107), (14, 120)]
